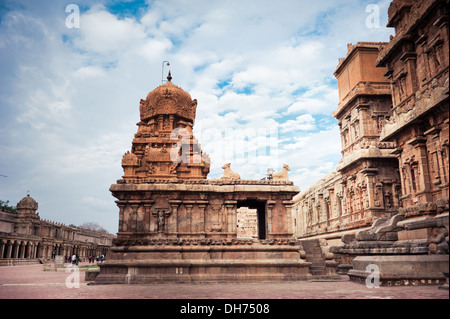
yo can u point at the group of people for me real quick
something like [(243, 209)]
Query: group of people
[(96, 258), (75, 259)]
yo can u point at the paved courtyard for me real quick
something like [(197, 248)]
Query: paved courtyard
[(31, 282)]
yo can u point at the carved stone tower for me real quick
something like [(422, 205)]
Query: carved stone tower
[(28, 221), (164, 145), (371, 184)]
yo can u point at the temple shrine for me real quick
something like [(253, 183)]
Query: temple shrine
[(175, 225)]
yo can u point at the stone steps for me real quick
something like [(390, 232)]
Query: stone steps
[(314, 256)]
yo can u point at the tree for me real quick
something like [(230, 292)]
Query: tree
[(6, 208), (93, 226)]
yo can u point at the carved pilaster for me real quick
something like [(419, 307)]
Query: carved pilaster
[(133, 217), (231, 216), (270, 205), (189, 216), (202, 208), (173, 219), (288, 205), (121, 212)]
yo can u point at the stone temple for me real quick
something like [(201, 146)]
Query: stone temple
[(175, 225), (385, 204)]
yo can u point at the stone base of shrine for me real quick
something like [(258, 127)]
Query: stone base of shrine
[(401, 270), (203, 263)]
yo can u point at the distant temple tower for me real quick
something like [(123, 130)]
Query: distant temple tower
[(370, 170), (365, 185)]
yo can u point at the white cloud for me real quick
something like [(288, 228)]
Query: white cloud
[(303, 122), (102, 32)]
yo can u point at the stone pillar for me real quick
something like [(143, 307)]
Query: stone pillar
[(36, 250), (30, 253), (2, 248), (270, 205), (16, 250), (27, 250), (8, 249)]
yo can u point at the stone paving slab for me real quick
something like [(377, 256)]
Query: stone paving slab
[(201, 300), (31, 282)]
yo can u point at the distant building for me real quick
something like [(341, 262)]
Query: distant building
[(365, 185), (24, 237), (393, 115), (394, 173)]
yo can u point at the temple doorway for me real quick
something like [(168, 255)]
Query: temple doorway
[(260, 207)]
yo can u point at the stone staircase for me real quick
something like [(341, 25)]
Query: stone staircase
[(314, 256)]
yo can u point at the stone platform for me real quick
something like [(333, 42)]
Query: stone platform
[(186, 231), (219, 261), (401, 270)]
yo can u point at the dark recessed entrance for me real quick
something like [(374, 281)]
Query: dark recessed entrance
[(260, 207)]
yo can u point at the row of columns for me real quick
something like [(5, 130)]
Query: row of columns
[(29, 250)]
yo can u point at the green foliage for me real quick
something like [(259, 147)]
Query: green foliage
[(4, 206)]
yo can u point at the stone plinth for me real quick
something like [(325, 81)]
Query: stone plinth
[(185, 230), (205, 261), (402, 270)]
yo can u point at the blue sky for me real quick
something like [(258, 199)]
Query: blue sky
[(262, 72)]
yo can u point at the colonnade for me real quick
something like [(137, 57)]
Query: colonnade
[(29, 249)]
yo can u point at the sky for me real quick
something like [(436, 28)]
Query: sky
[(72, 74)]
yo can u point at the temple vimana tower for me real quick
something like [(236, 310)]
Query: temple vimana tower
[(164, 146), (387, 202), (365, 185)]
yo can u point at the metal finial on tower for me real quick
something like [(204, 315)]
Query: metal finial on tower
[(162, 75), (169, 77)]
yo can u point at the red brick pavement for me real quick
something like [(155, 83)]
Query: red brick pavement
[(31, 282)]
